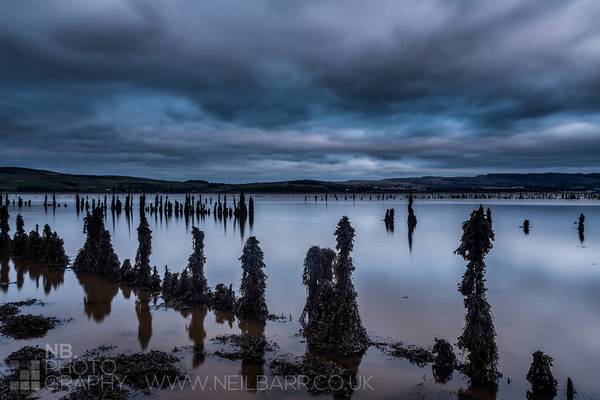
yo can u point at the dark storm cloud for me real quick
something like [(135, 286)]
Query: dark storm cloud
[(232, 90)]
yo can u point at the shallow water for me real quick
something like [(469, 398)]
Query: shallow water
[(543, 288)]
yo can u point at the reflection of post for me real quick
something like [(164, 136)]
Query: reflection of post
[(4, 274), (142, 310), (252, 370), (242, 221), (20, 277), (99, 294), (479, 392), (197, 334), (51, 278), (350, 363), (224, 316)]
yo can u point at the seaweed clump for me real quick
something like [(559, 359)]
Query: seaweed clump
[(188, 288), (223, 298), (244, 347), (97, 255), (46, 249), (53, 249), (319, 376), (27, 326), (140, 371), (543, 383), (444, 360), (414, 354), (8, 310), (104, 392), (26, 359)]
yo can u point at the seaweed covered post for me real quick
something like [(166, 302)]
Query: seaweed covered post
[(318, 270), (478, 338), (570, 389), (198, 287), (34, 244), (389, 220), (251, 211), (581, 227), (349, 335), (5, 242), (141, 267), (223, 298), (543, 383), (53, 252), (412, 218), (155, 282), (19, 242), (444, 360), (126, 273), (251, 303), (334, 324), (526, 227), (97, 254), (190, 287), (411, 221), (243, 210)]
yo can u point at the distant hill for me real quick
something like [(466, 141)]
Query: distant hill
[(548, 181), (13, 179)]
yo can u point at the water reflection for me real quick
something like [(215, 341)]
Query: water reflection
[(252, 369), (144, 317), (99, 294), (51, 278), (479, 393), (4, 274), (409, 297), (196, 332), (224, 316)]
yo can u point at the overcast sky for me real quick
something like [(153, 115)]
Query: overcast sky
[(237, 91)]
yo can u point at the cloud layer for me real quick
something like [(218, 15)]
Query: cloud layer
[(236, 91)]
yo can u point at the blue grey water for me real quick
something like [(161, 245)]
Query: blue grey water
[(543, 287)]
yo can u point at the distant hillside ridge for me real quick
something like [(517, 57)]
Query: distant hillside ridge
[(15, 179)]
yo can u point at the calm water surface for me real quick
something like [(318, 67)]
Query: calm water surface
[(543, 288)]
